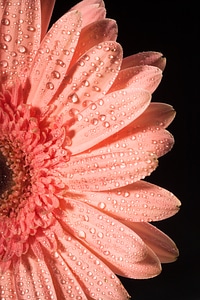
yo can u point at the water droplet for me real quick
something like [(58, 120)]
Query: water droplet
[(106, 124), (66, 52), (31, 28), (60, 63), (106, 252), (79, 117), (102, 118), (100, 235), (81, 63), (73, 98), (3, 63), (3, 46), (55, 74), (92, 230), (93, 106), (82, 234), (101, 205), (99, 282), (22, 49), (85, 83), (94, 121), (7, 37), (49, 86), (100, 102), (96, 88), (126, 194), (5, 22)]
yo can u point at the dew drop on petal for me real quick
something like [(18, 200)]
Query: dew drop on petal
[(73, 98), (7, 37), (22, 49), (4, 63), (106, 252), (55, 74), (31, 28), (106, 124), (5, 22), (85, 83), (49, 86), (60, 63), (94, 121), (101, 205), (82, 234)]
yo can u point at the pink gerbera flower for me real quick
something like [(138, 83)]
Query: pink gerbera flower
[(78, 135)]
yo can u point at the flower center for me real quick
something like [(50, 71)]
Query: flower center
[(14, 178), (5, 177)]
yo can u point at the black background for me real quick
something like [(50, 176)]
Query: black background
[(173, 29)]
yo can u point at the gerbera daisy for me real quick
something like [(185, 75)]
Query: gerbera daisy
[(78, 135)]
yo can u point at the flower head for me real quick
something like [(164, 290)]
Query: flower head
[(78, 135)]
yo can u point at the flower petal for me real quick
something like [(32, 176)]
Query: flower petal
[(157, 114), (146, 133), (34, 278), (107, 116), (149, 267), (91, 10), (46, 13), (89, 79), (145, 77), (53, 58), (107, 171), (138, 202), (20, 38), (158, 241), (96, 278), (117, 245), (145, 58), (153, 140), (8, 285), (94, 34)]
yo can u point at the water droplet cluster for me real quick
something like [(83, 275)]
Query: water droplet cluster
[(19, 39), (111, 240), (110, 170), (54, 57)]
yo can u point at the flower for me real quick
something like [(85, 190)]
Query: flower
[(78, 135)]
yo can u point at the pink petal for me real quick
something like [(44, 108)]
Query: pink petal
[(46, 12), (147, 268), (145, 58), (145, 77), (18, 49), (8, 285), (94, 34), (159, 242), (89, 79), (45, 279), (107, 171), (53, 58), (153, 140), (146, 133), (96, 279), (157, 114), (138, 202), (122, 250), (107, 116), (91, 10)]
